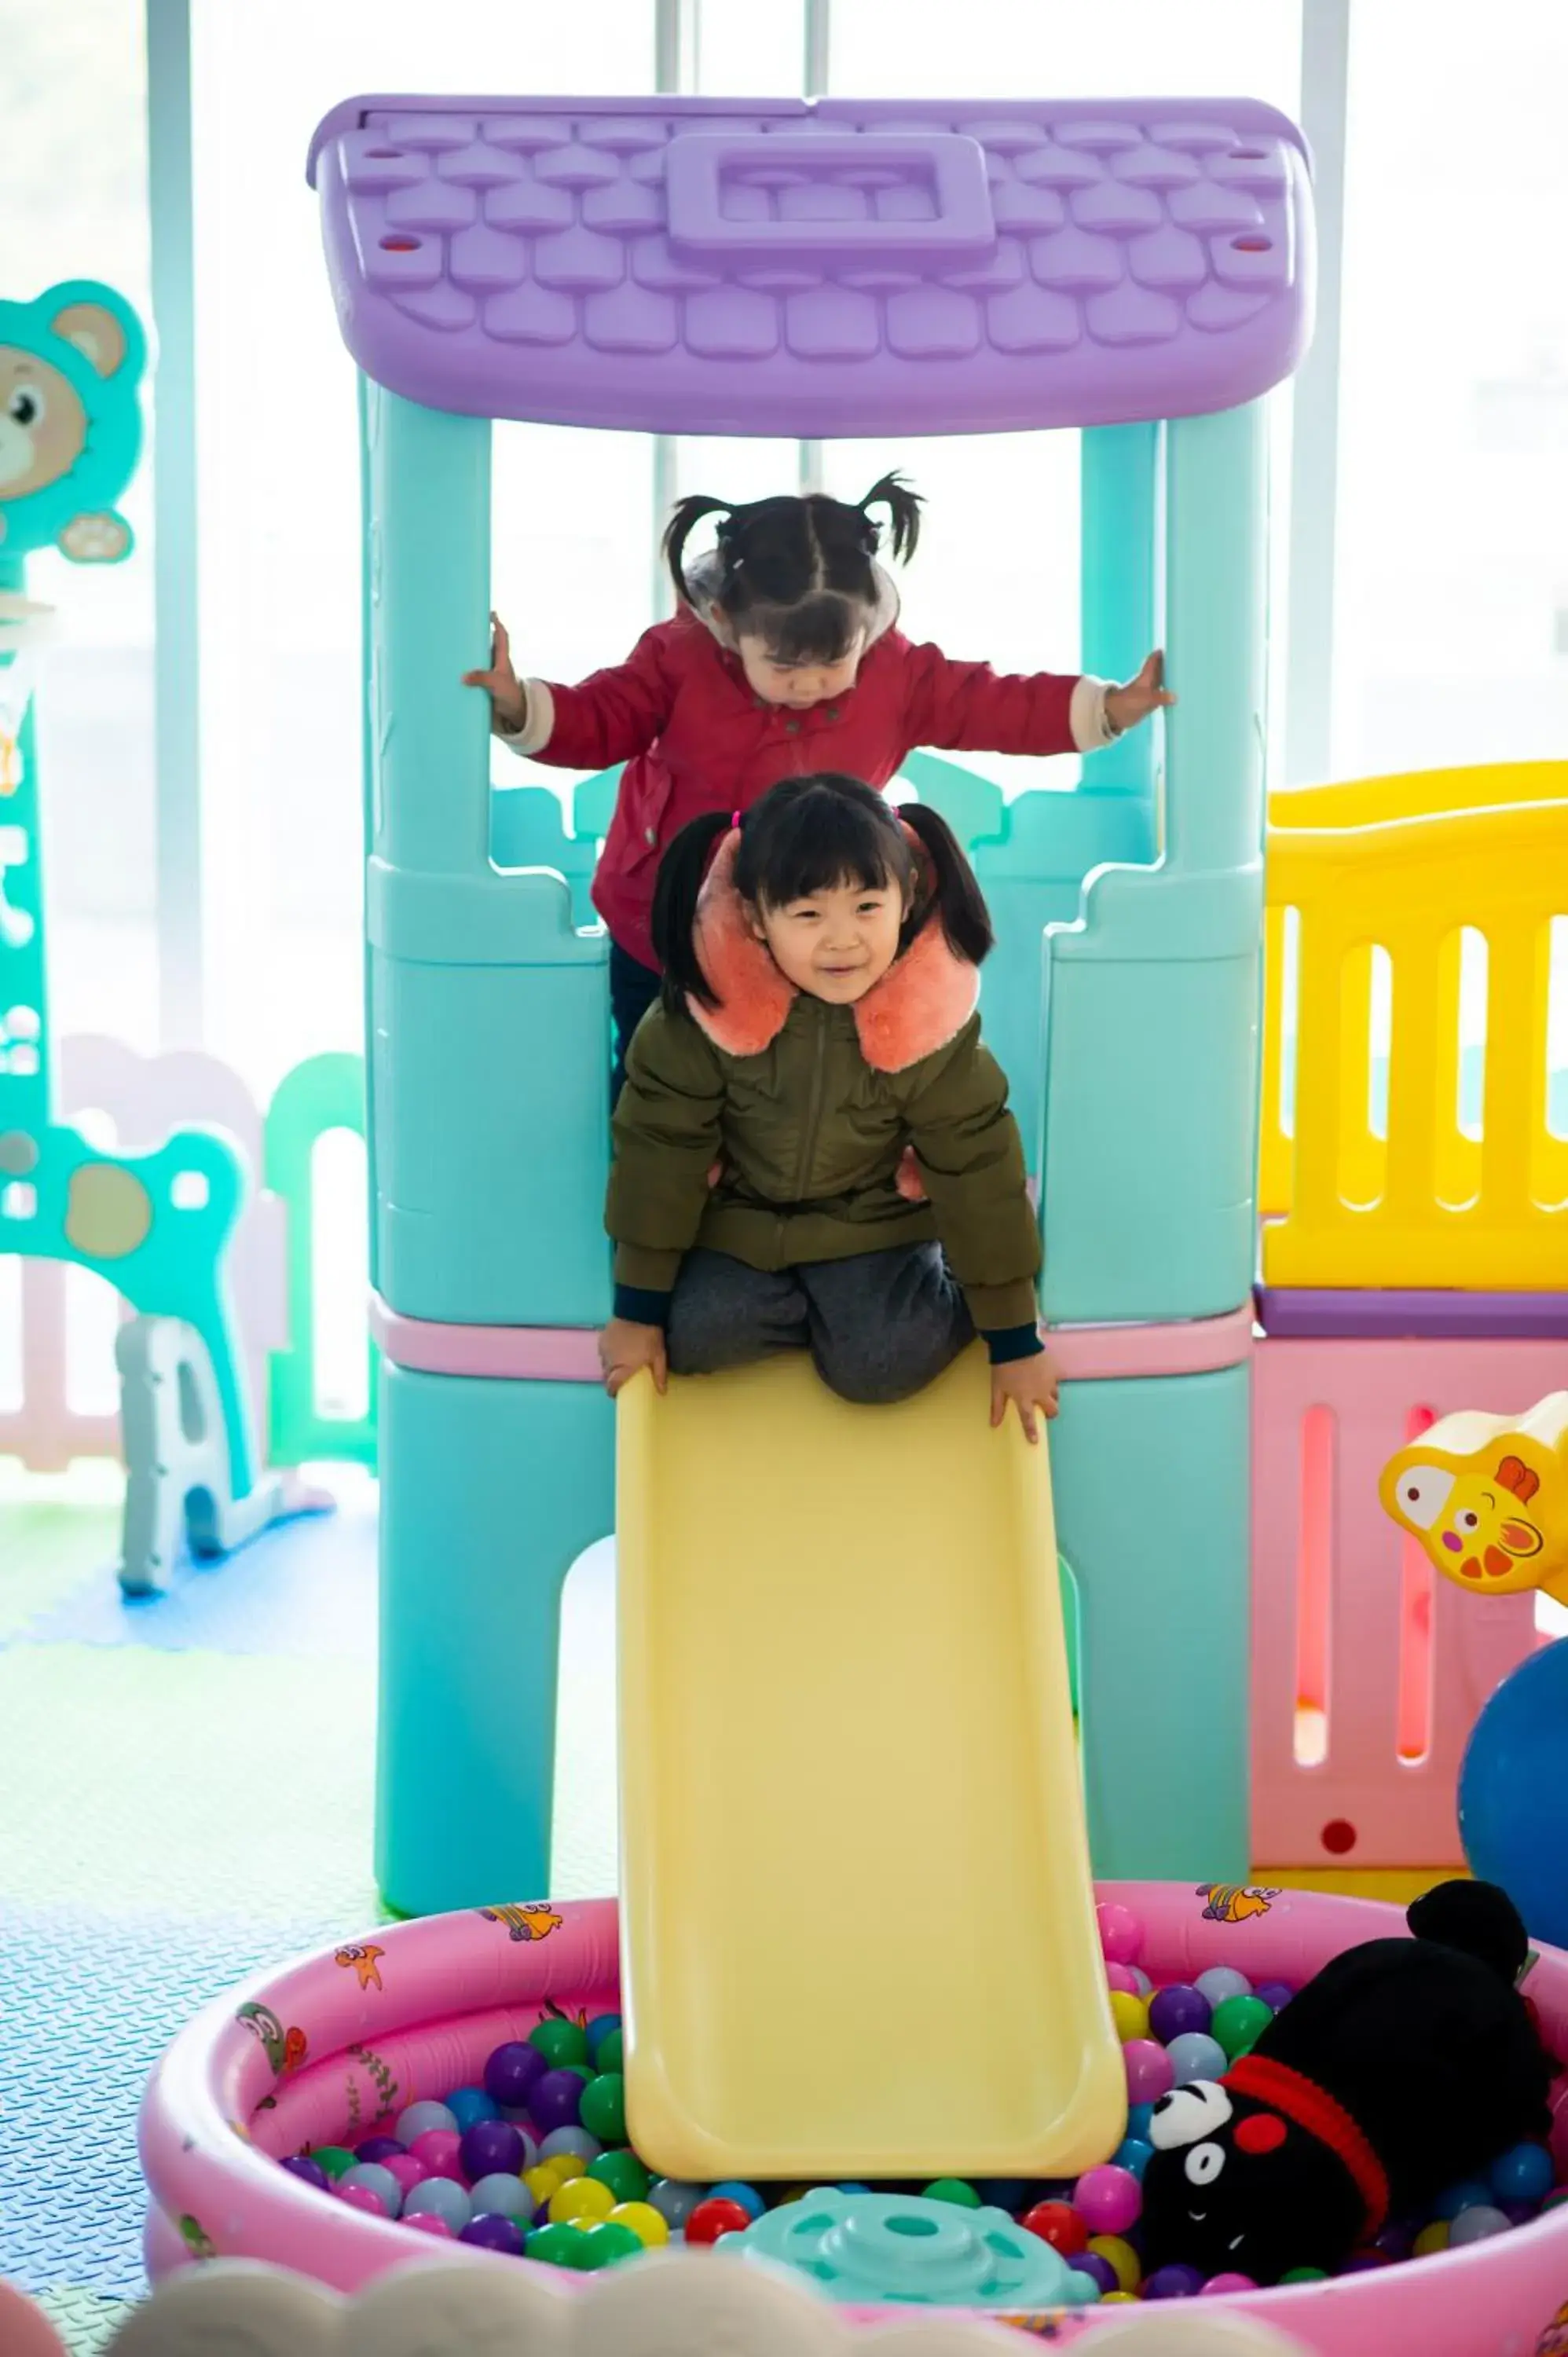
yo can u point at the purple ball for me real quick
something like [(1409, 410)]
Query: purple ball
[(1276, 1993), (309, 2171), (1396, 2240), (512, 2072), (556, 2101), (1174, 2282), (378, 2149), (492, 2148), (1175, 2011), (494, 2232), (1098, 2270)]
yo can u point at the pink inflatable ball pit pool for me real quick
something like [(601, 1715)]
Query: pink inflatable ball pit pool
[(219, 2115)]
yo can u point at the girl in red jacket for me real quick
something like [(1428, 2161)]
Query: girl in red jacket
[(785, 658)]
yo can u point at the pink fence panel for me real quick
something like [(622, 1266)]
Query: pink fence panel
[(1367, 1670)]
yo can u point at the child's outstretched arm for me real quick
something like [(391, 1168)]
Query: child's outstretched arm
[(969, 707), (970, 1159), (666, 1133), (610, 716)]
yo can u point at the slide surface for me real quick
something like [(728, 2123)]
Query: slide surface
[(858, 1935)]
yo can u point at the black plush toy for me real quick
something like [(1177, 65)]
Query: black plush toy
[(1403, 2067)]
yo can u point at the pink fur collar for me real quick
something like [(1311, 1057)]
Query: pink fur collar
[(919, 1004)]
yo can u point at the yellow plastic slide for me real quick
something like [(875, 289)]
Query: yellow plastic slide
[(858, 1935)]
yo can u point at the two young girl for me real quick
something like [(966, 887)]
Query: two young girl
[(816, 1038)]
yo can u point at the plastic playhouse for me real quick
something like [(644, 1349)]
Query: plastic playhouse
[(851, 1783)]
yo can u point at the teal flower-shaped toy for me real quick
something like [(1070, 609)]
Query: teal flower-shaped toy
[(892, 2247)]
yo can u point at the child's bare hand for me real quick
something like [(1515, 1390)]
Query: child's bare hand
[(1031, 1385), (626, 1348), (500, 682), (1127, 706)]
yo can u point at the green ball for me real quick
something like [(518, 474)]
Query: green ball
[(623, 2173), (606, 2245), (584, 2071), (558, 2246), (562, 2043), (611, 2052), (604, 2107), (953, 2190), (1304, 2275), (1238, 2022), (333, 2159)]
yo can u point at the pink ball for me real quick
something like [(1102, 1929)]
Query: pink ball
[(1217, 2285), (1124, 1978), (425, 2222), (1121, 1935), (1108, 2200), (408, 2170), (439, 2149), (362, 2197), (1150, 2071)]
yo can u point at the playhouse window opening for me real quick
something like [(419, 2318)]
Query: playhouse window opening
[(1314, 1591), (1418, 1602)]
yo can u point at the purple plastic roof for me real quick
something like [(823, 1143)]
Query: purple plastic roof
[(821, 269)]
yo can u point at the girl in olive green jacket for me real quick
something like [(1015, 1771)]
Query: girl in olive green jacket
[(813, 1149)]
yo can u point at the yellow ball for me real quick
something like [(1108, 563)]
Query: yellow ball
[(542, 2181), (1110, 2298), (580, 2202), (1120, 2258), (1432, 2238), (566, 2166), (645, 2221), (1131, 2014)]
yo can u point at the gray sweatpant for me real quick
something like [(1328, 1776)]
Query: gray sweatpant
[(879, 1326)]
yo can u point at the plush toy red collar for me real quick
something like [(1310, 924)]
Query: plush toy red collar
[(923, 1000)]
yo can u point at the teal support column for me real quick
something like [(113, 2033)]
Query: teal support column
[(367, 798), (1121, 532), (26, 1101), (1216, 607)]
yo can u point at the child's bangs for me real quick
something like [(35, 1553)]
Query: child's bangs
[(822, 628), (831, 844)]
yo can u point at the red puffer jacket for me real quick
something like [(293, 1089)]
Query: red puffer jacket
[(694, 737)]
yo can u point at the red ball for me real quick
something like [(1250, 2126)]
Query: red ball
[(714, 2217), (1058, 2223)]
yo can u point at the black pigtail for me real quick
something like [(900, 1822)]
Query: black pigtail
[(903, 506), (688, 514), (680, 874), (957, 898)]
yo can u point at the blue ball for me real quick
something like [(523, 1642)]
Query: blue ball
[(1513, 1792), (444, 2197), (500, 2196), (419, 2117), (1139, 2117), (1198, 2056), (749, 2199), (1525, 2174), (1134, 2155), (1476, 2225), (675, 2201), (1221, 1981), (1473, 2194), (598, 2029), (380, 2182), (471, 2103)]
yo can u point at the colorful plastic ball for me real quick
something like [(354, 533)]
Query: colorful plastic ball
[(1174, 2282), (376, 2180), (429, 2221), (557, 2246), (1122, 1980), (1276, 1994), (1150, 2075), (378, 2149), (644, 2221), (1218, 2286), (309, 2171), (1365, 2263), (560, 2042), (607, 2243), (733, 2190), (511, 2072), (675, 2200), (491, 2232), (1119, 2255), (501, 2196), (598, 2029), (542, 2181), (1394, 2240), (1239, 2023), (441, 2150), (568, 2165), (419, 2119), (1108, 2200), (584, 2071), (1140, 2119), (1175, 2011), (1473, 2194), (471, 2103), (1058, 2223), (710, 2219), (1196, 2056), (1133, 2154), (611, 2053), (408, 2171), (954, 2189), (1131, 2016), (490, 2148), (1121, 1935), (1476, 2225), (1523, 2174), (444, 2197), (1099, 2271), (623, 2173), (582, 2201), (556, 2101), (586, 2147), (602, 2110), (1431, 2239), (1304, 2275), (1221, 1981), (1145, 1986), (362, 2197), (333, 2159), (1520, 2213)]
